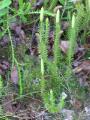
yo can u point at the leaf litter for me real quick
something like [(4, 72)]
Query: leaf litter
[(81, 66)]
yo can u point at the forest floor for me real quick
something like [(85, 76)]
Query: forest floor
[(23, 31)]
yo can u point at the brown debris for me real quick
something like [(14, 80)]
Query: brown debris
[(77, 104), (4, 66), (14, 75), (84, 66), (64, 45)]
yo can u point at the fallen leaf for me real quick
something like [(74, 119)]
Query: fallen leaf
[(87, 46), (51, 39), (83, 82), (38, 4), (4, 66), (79, 52), (76, 63), (77, 104), (64, 45), (7, 104), (84, 66), (18, 29), (64, 25), (14, 75), (4, 41), (22, 35), (10, 106)]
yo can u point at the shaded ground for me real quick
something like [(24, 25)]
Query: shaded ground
[(25, 43)]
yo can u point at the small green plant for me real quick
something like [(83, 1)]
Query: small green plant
[(4, 9), (41, 74), (80, 21), (4, 5), (21, 3), (62, 1), (50, 102), (49, 98), (1, 85), (83, 19), (53, 3), (24, 9), (72, 40), (50, 4)]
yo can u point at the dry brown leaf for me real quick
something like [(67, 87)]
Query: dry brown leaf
[(83, 81), (79, 52), (64, 25), (7, 104), (64, 45), (77, 104), (84, 66), (14, 75), (87, 46), (4, 66)]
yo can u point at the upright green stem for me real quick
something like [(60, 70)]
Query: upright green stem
[(12, 47), (20, 79), (1, 85), (56, 40), (41, 48), (53, 4), (88, 5), (20, 4), (72, 39), (14, 61)]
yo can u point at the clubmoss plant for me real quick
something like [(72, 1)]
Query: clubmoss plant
[(41, 49), (54, 68), (56, 49), (4, 5), (50, 102), (50, 80), (11, 42), (49, 97), (72, 40), (78, 29), (14, 60), (21, 3), (52, 4), (82, 19), (46, 3), (1, 85), (88, 6), (19, 78), (71, 50)]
